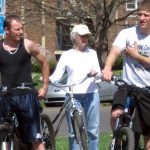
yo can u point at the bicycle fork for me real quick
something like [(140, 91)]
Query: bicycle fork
[(4, 146), (10, 144), (7, 145), (115, 133)]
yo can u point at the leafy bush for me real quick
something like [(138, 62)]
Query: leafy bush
[(118, 64), (36, 66), (117, 72), (35, 77), (52, 65)]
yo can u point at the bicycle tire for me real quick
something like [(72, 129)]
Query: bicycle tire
[(5, 138), (47, 131), (48, 135), (79, 129), (125, 139)]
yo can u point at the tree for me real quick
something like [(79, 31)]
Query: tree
[(100, 16)]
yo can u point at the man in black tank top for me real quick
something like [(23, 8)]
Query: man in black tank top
[(15, 68)]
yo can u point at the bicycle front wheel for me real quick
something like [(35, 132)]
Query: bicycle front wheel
[(47, 131), (6, 140), (125, 139), (79, 129)]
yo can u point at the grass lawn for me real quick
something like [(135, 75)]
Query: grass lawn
[(105, 138), (104, 143)]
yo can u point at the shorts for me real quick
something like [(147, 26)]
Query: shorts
[(26, 108), (119, 99), (141, 120)]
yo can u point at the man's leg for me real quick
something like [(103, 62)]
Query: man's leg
[(114, 114), (147, 142), (38, 146)]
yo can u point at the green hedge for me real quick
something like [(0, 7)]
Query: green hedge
[(118, 64), (36, 67)]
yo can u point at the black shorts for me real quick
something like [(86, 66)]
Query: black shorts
[(119, 98), (141, 121), (26, 108)]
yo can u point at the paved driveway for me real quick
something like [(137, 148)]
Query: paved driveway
[(104, 119)]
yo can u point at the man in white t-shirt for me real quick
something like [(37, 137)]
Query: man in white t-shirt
[(78, 62), (134, 44)]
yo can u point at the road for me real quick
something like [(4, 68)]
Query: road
[(104, 119)]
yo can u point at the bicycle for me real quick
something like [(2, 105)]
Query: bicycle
[(9, 135), (77, 115), (123, 136), (47, 131)]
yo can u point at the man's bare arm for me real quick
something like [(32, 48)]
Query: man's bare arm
[(107, 71), (34, 50)]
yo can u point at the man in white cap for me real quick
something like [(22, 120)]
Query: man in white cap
[(78, 62)]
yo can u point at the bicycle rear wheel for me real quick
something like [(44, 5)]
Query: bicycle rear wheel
[(47, 132), (6, 140), (125, 139), (79, 129)]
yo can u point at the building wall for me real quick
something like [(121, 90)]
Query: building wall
[(116, 28), (41, 27), (38, 27)]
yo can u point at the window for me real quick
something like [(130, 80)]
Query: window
[(132, 5), (63, 28), (63, 34)]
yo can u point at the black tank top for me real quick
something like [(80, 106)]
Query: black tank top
[(15, 68)]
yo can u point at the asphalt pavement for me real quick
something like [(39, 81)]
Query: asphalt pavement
[(104, 119)]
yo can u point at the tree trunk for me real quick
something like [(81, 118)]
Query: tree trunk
[(101, 46)]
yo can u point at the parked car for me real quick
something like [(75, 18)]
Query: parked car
[(55, 95)]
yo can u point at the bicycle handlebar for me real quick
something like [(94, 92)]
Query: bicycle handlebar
[(4, 90), (120, 81), (60, 85)]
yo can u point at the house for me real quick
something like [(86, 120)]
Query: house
[(47, 25)]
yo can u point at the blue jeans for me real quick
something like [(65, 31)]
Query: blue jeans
[(91, 104)]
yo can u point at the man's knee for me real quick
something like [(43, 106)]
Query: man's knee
[(114, 114), (38, 145), (117, 112)]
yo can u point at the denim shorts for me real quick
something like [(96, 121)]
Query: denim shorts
[(26, 108)]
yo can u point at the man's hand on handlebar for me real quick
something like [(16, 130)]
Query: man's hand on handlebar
[(106, 75), (42, 92)]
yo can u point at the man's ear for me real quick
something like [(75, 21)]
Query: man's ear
[(6, 29)]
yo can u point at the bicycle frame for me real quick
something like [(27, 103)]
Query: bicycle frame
[(11, 118), (119, 119), (75, 110), (70, 105), (126, 119), (11, 131)]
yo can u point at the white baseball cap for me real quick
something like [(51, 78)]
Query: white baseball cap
[(81, 29)]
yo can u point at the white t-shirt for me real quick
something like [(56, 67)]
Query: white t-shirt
[(134, 72), (78, 64)]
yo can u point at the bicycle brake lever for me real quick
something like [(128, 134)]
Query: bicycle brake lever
[(91, 75)]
